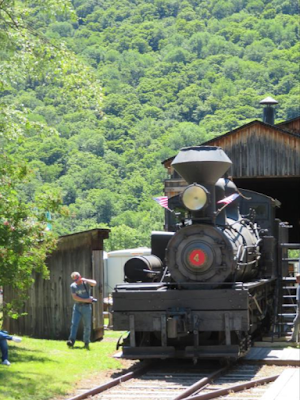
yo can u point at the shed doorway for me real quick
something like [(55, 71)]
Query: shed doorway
[(287, 191)]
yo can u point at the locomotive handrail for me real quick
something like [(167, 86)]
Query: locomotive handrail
[(238, 253), (250, 262), (252, 285), (162, 285), (168, 284)]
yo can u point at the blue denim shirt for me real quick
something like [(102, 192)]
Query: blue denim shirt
[(5, 335)]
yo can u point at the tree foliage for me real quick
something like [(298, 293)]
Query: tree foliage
[(174, 73), (26, 203), (25, 238)]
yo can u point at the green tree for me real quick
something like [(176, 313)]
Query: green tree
[(174, 73), (24, 239), (124, 237)]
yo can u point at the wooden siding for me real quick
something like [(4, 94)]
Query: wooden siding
[(261, 151), (49, 307), (174, 186), (258, 150), (291, 126)]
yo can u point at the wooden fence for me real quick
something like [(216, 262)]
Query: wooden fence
[(49, 306)]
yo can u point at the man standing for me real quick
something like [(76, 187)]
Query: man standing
[(82, 309), (296, 322)]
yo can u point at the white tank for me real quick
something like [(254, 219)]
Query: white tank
[(114, 262)]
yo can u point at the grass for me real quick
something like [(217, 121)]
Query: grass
[(43, 369)]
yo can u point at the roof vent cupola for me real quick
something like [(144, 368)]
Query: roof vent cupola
[(269, 110)]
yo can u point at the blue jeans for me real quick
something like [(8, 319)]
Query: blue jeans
[(4, 349), (84, 311)]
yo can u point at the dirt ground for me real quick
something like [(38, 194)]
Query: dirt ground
[(98, 379)]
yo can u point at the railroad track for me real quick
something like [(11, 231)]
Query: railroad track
[(182, 380)]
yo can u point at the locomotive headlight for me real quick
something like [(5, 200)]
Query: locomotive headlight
[(195, 197)]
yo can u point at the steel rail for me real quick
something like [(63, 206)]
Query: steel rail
[(202, 382), (235, 388), (123, 378)]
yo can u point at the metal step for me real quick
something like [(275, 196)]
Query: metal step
[(289, 296), (289, 287), (289, 305), (270, 336), (287, 315)]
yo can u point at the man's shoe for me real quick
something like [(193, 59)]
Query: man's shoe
[(87, 346), (70, 343), (6, 362)]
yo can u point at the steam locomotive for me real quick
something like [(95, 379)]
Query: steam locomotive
[(209, 285)]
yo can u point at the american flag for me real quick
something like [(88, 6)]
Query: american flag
[(229, 199), (162, 201)]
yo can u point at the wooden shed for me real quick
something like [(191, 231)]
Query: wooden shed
[(49, 307), (266, 159)]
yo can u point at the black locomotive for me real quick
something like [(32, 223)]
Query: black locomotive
[(209, 286)]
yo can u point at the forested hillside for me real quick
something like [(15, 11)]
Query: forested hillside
[(107, 90)]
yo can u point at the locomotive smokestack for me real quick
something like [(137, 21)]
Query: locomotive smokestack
[(269, 111), (201, 164)]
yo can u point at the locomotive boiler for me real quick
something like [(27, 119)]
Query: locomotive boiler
[(208, 286)]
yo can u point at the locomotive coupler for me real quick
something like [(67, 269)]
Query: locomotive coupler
[(178, 321)]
